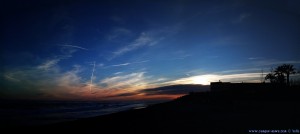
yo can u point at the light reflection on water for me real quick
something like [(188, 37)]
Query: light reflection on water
[(45, 112)]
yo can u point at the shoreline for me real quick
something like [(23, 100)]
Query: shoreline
[(15, 114)]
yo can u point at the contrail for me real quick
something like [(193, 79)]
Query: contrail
[(74, 46), (92, 77)]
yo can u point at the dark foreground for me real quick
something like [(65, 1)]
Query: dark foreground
[(208, 112)]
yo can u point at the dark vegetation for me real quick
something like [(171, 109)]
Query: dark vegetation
[(281, 74)]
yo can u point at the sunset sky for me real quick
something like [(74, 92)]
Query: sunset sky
[(97, 50)]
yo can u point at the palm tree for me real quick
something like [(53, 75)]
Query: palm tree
[(288, 69), (275, 76), (271, 77), (279, 73)]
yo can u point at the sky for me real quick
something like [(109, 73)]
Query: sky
[(114, 50)]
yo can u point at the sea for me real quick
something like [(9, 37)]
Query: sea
[(31, 113)]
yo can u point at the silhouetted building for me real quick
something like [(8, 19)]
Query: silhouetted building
[(221, 86)]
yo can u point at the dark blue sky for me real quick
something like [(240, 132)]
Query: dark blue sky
[(48, 47)]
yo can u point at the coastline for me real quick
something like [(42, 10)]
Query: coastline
[(16, 114)]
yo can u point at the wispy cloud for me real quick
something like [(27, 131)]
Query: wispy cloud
[(46, 80), (123, 64), (117, 73), (37, 84), (145, 39), (100, 65), (254, 58), (234, 71), (34, 82), (48, 64), (73, 46), (156, 81), (69, 78), (175, 89), (66, 53), (128, 63), (117, 33), (11, 77), (182, 57), (243, 77), (241, 18), (127, 81)]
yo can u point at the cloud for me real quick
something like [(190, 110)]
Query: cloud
[(122, 87), (117, 33), (36, 84), (143, 40), (48, 81), (155, 82), (243, 77), (241, 18), (175, 89), (164, 92), (52, 63), (69, 78), (161, 79), (125, 94), (100, 65), (123, 64), (117, 73), (254, 58), (11, 78), (240, 70), (181, 57), (73, 46), (48, 64), (22, 84), (148, 38), (178, 55), (128, 63), (54, 84), (128, 81)]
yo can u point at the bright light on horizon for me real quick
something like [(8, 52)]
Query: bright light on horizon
[(206, 79), (199, 79), (203, 79)]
